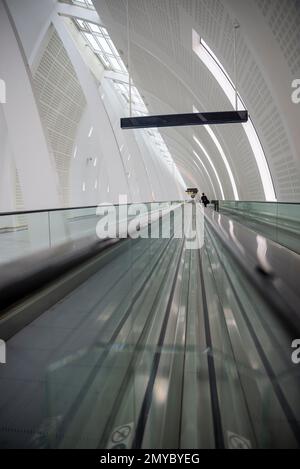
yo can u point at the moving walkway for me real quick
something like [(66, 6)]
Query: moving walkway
[(149, 342)]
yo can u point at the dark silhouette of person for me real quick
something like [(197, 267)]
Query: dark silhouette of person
[(204, 200)]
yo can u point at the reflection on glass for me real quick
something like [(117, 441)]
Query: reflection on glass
[(279, 222)]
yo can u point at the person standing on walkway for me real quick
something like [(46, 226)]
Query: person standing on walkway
[(205, 200)]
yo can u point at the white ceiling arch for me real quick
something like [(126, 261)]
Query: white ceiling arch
[(161, 30)]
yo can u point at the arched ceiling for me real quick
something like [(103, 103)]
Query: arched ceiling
[(172, 78)]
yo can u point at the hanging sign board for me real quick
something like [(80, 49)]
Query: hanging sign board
[(175, 120)]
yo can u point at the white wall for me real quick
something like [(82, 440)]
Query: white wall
[(124, 163), (150, 178), (31, 17), (7, 180), (100, 122), (89, 181), (108, 161), (25, 135)]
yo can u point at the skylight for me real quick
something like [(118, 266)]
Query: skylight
[(98, 39), (84, 4), (207, 49)]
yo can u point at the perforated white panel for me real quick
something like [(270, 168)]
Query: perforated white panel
[(19, 204), (61, 103), (283, 17)]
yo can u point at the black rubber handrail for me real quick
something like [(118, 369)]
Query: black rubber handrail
[(64, 209), (27, 275)]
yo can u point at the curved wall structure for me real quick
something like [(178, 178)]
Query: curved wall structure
[(66, 94), (164, 65)]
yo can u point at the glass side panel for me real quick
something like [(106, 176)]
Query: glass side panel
[(69, 225), (24, 234), (21, 235), (277, 221), (288, 226)]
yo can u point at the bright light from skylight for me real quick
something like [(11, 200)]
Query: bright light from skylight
[(207, 49), (217, 70), (221, 151), (200, 170), (211, 164), (207, 173), (223, 156)]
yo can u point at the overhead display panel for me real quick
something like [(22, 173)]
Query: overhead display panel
[(177, 120)]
